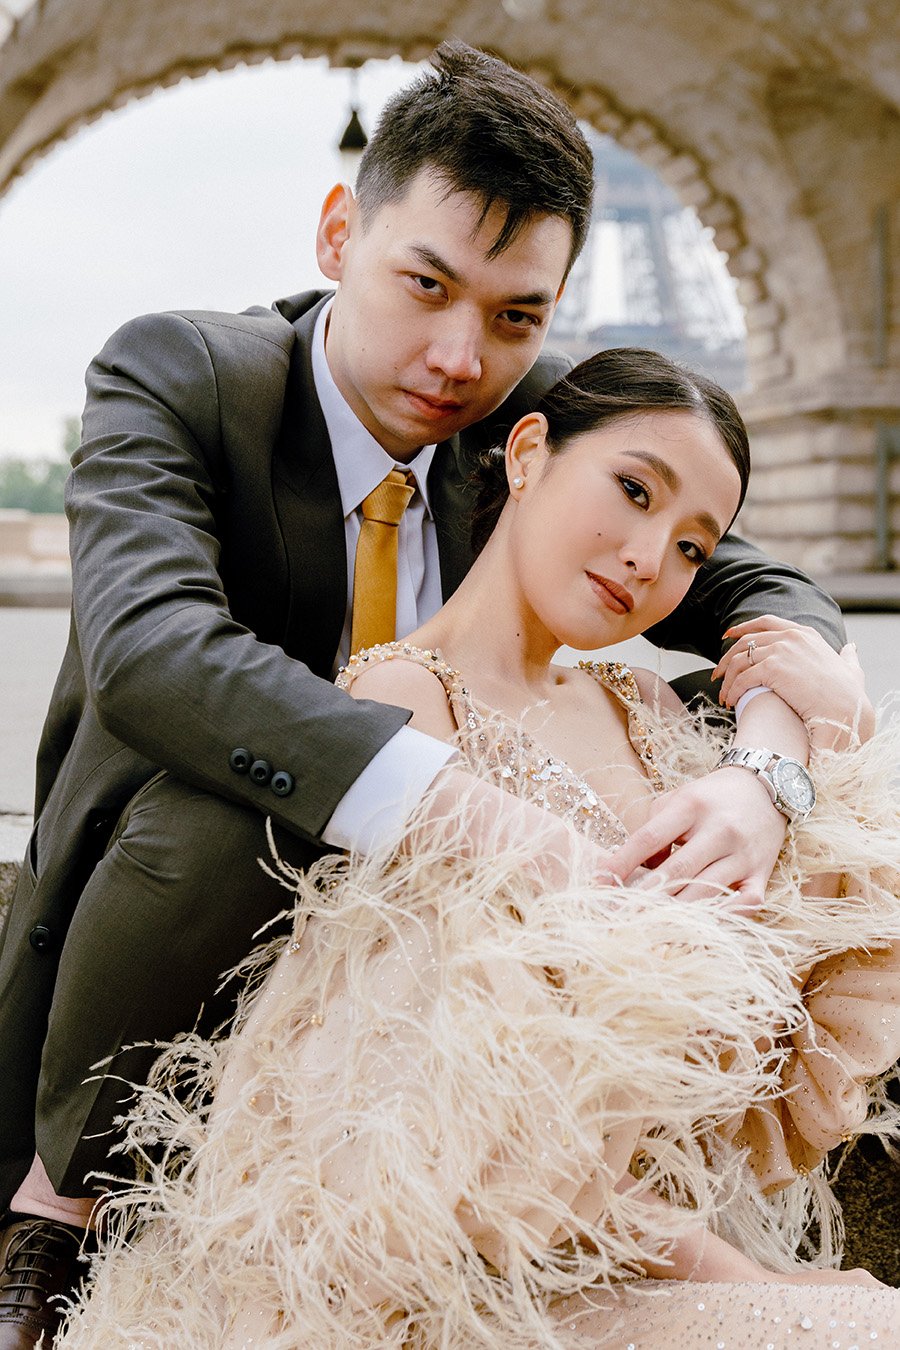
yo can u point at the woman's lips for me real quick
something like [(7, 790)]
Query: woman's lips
[(614, 596)]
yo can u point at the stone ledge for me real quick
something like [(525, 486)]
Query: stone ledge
[(9, 875), (14, 832)]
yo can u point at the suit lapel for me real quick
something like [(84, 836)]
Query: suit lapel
[(308, 505), (452, 498)]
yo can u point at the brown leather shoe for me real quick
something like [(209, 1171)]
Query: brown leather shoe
[(40, 1262)]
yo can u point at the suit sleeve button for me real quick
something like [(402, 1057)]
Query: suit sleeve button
[(282, 783), (261, 771), (240, 760), (41, 938)]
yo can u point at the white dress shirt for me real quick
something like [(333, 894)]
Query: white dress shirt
[(375, 809)]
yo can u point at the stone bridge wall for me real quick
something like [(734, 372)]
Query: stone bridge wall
[(778, 123)]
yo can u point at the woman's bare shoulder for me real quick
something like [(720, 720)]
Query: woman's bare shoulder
[(655, 692), (408, 684)]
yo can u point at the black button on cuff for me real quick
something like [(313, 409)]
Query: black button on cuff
[(240, 760), (282, 783), (261, 771), (41, 938)]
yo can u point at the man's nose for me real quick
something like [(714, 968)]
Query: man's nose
[(455, 351)]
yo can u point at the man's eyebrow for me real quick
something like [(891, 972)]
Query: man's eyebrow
[(428, 258), (673, 482), (532, 298)]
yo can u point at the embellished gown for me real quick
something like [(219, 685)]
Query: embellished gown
[(463, 1108)]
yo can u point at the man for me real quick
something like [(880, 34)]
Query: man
[(234, 472)]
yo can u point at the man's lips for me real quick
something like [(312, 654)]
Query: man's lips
[(614, 596), (435, 408)]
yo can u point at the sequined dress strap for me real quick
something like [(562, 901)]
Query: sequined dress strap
[(457, 695), (619, 679)]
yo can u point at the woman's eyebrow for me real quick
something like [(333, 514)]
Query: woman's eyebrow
[(708, 522), (659, 467)]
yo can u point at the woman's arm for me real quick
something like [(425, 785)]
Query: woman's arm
[(824, 688)]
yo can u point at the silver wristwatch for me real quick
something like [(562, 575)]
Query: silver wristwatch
[(787, 781)]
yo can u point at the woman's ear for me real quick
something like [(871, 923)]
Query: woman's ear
[(526, 449), (335, 221)]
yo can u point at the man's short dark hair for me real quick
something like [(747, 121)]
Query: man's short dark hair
[(484, 129)]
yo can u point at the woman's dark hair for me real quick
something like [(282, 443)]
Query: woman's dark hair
[(611, 385), (485, 129)]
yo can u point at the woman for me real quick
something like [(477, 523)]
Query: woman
[(474, 1105)]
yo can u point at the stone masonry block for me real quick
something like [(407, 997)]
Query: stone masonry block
[(696, 192), (682, 170), (730, 239), (761, 342), (747, 262), (9, 875), (720, 214), (638, 134)]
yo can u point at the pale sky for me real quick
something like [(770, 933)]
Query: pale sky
[(205, 196)]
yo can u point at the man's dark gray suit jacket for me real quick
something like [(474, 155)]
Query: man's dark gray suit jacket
[(209, 592)]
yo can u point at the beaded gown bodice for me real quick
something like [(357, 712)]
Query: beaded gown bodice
[(499, 749)]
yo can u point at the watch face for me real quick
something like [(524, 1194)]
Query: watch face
[(794, 785)]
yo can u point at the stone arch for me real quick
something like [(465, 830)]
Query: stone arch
[(38, 129), (710, 94)]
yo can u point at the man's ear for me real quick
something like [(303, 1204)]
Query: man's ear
[(338, 213), (526, 448)]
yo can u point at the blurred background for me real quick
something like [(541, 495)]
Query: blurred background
[(748, 172)]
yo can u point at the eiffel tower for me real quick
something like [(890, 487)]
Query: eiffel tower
[(650, 276)]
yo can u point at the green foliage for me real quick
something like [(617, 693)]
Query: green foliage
[(37, 484)]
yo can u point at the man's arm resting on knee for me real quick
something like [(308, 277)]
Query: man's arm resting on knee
[(170, 672)]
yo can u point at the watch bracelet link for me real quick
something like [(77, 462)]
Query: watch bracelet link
[(763, 763)]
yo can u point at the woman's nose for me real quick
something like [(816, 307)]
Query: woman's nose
[(644, 554)]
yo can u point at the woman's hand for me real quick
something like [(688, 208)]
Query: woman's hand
[(825, 688)]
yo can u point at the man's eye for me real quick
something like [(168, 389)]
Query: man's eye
[(635, 490), (519, 318), (429, 284), (693, 552)]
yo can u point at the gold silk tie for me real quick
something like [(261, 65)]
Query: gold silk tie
[(375, 572)]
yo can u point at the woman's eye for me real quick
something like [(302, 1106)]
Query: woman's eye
[(693, 552), (636, 491)]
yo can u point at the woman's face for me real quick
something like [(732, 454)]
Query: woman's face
[(608, 533)]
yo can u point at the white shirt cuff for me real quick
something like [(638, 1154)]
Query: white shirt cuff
[(748, 698), (373, 812)]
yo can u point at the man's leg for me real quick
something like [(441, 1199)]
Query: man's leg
[(175, 901)]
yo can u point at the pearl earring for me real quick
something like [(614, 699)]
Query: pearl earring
[(518, 481)]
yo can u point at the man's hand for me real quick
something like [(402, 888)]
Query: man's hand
[(727, 832)]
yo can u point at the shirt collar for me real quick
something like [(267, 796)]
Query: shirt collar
[(361, 463)]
